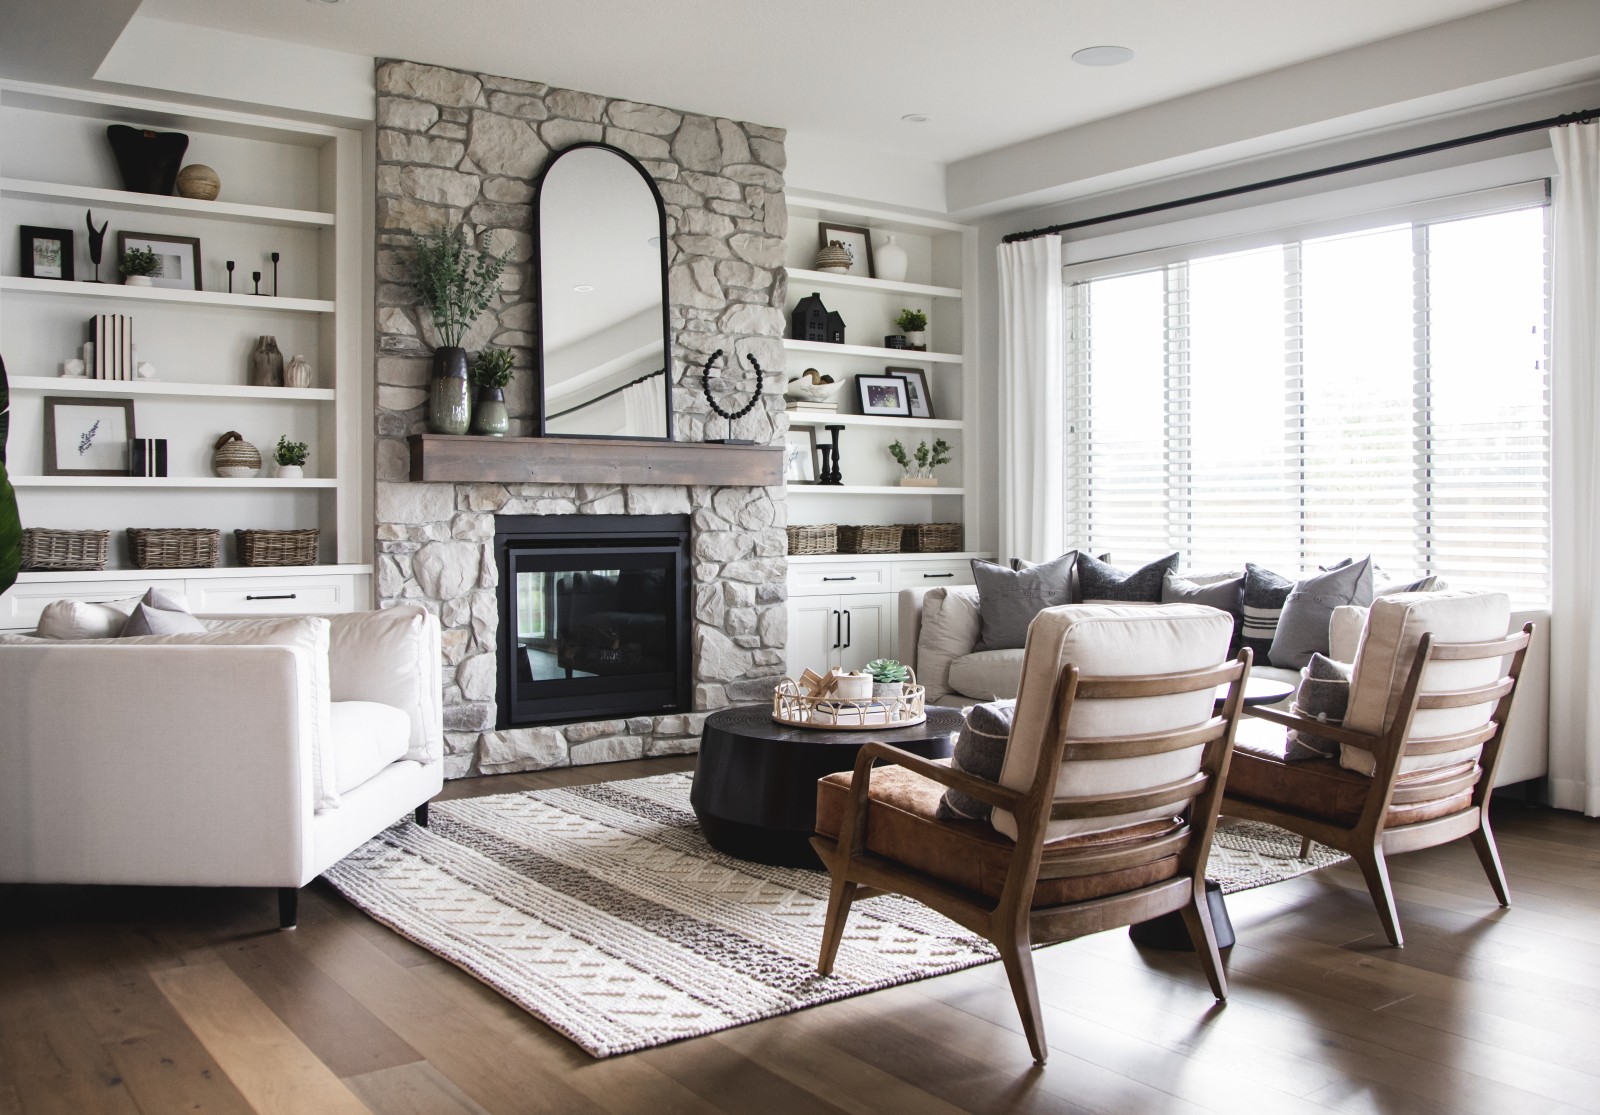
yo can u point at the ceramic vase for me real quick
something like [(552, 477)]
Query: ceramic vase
[(291, 472), (890, 260), (887, 691), (298, 372), (138, 280), (147, 161), (489, 415), (449, 394), (266, 363), (916, 338)]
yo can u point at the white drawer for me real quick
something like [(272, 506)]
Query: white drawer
[(834, 578), (272, 595), (21, 606), (932, 574)]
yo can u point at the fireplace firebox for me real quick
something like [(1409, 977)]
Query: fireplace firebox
[(594, 617)]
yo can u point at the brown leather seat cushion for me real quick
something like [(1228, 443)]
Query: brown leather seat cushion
[(1321, 788), (902, 825)]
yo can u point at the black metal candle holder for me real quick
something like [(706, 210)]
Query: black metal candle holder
[(829, 473)]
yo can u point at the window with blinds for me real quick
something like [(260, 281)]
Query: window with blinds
[(1383, 391)]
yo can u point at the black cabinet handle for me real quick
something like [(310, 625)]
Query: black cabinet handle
[(838, 578), (836, 629), (936, 576), (280, 596), (849, 630)]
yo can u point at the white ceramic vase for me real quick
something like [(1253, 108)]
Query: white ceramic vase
[(890, 260), (138, 280), (917, 338), (291, 472)]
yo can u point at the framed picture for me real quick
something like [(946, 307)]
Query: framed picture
[(857, 240), (180, 257), (87, 437), (46, 253), (883, 395), (916, 390), (800, 455)]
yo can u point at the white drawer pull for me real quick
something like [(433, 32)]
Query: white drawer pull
[(280, 596)]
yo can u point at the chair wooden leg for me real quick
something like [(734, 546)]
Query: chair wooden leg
[(840, 897), (1197, 919), (288, 907), (1017, 955), (1377, 874), (1489, 856), (1305, 846)]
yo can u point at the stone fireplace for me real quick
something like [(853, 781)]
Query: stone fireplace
[(458, 148)]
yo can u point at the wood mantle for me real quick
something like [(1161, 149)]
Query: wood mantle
[(572, 460)]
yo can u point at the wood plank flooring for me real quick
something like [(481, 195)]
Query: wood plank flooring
[(153, 1000)]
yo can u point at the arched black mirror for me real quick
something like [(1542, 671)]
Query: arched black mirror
[(600, 257)]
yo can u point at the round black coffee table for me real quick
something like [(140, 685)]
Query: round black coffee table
[(755, 782)]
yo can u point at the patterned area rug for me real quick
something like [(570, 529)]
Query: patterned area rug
[(602, 911)]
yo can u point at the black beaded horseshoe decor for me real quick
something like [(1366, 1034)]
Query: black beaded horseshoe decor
[(705, 385)]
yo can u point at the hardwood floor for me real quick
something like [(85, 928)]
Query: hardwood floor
[(155, 1000)]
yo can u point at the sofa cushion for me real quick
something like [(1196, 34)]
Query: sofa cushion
[(1100, 583), (391, 656), (981, 752), (1302, 628), (367, 737), (902, 825), (950, 627), (160, 613), (1008, 599), (987, 675), (1226, 594), (79, 619), (1323, 695)]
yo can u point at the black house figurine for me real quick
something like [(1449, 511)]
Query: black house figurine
[(835, 328), (809, 322)]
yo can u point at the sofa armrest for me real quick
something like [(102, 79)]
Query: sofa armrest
[(392, 657), (165, 765)]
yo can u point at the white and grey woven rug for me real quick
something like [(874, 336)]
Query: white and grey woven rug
[(602, 911)]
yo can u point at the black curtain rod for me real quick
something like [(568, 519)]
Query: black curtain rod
[(1581, 117), (608, 394)]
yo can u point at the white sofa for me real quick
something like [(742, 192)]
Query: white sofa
[(940, 626), (256, 754)]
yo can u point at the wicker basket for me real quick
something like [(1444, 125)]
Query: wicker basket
[(173, 547), (45, 549), (277, 547), (931, 538), (818, 538), (869, 540)]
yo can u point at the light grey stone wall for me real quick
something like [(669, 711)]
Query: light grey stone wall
[(465, 149)]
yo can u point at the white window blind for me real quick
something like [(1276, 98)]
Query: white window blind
[(1381, 391)]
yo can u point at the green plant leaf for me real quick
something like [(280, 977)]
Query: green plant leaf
[(10, 518)]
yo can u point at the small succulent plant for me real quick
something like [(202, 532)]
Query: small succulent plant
[(887, 671)]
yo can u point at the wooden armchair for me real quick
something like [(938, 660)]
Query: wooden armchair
[(1419, 746), (1104, 808)]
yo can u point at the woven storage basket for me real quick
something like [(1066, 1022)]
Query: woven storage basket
[(44, 548), (822, 538), (932, 538), (869, 540), (173, 547), (277, 547)]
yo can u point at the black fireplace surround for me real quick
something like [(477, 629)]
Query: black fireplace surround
[(594, 617)]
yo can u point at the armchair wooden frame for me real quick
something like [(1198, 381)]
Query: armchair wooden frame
[(1012, 922), (1369, 840)]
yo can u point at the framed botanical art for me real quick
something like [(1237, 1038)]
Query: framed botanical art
[(917, 395), (46, 253), (87, 437), (883, 395), (800, 455), (179, 256), (857, 241)]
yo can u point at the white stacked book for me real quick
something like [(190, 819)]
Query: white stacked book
[(821, 408), (112, 335)]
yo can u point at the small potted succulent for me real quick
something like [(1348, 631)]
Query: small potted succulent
[(914, 324), (491, 372), (889, 679), (139, 266), (291, 458)]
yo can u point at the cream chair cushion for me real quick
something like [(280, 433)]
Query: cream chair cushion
[(987, 675), (1112, 640), (950, 627)]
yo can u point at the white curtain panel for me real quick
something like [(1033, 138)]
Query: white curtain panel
[(642, 404), (1575, 478), (1031, 399)]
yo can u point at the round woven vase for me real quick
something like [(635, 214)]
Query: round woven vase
[(235, 458)]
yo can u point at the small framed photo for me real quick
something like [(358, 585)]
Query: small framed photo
[(46, 253), (87, 437), (800, 455), (857, 241), (179, 255), (883, 395), (916, 390)]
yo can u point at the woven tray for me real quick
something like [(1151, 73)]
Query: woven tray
[(815, 539), (794, 708), (931, 538), (869, 540), (46, 549), (277, 547), (173, 547)]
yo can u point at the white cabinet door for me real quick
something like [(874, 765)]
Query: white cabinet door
[(868, 622), (814, 624)]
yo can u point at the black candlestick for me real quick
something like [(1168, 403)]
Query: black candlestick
[(230, 276), (831, 475), (256, 275), (275, 258)]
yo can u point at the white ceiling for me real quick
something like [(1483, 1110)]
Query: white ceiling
[(989, 74)]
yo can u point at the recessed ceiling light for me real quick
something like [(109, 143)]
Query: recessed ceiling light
[(916, 118), (1102, 55), (583, 288)]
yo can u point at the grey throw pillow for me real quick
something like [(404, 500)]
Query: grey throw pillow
[(159, 613), (980, 751), (1008, 599), (1421, 584), (1225, 596), (1106, 584), (1302, 628), (1324, 695)]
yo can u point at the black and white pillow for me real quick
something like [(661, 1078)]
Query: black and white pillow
[(1100, 583), (1008, 599), (980, 751)]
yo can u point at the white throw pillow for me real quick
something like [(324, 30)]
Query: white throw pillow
[(79, 619)]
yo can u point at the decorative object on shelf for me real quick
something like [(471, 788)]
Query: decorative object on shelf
[(230, 276), (456, 280), (199, 182), (812, 538), (857, 244), (255, 276), (97, 241), (930, 538), (920, 473), (894, 340), (179, 256), (110, 352), (290, 457), (835, 330), (808, 321), (917, 395), (235, 458), (492, 371), (174, 547), (829, 474), (46, 550), (139, 267), (915, 325), (74, 369), (87, 437), (834, 258), (800, 455), (889, 678), (813, 389), (144, 370), (259, 548), (147, 456), (885, 395), (275, 258), (47, 253), (266, 363), (148, 161), (868, 539), (297, 373), (10, 518), (891, 261), (730, 415)]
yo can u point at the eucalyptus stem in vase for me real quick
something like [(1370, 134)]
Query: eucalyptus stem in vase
[(456, 280)]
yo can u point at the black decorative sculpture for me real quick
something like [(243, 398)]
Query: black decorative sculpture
[(829, 472), (809, 319), (731, 415), (97, 241)]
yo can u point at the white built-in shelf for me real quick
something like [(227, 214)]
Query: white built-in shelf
[(822, 418), (82, 385), (951, 555), (212, 572), (903, 354), (156, 203), (169, 482), (796, 489), (119, 292), (799, 278)]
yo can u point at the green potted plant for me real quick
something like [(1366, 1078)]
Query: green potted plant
[(139, 266), (291, 458), (10, 518), (888, 679), (456, 280), (914, 324), (491, 372), (926, 458)]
